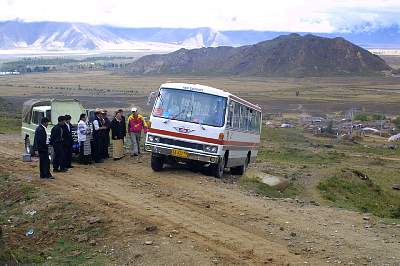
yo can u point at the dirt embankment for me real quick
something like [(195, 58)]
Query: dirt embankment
[(199, 220)]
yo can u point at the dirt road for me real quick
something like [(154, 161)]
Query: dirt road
[(204, 221)]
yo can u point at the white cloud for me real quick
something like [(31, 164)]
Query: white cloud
[(281, 15)]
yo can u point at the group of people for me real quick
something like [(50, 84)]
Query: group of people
[(93, 139)]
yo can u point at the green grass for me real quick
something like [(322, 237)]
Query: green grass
[(9, 124), (352, 192), (300, 156), (264, 190), (60, 244)]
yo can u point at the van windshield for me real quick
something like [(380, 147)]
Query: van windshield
[(190, 106)]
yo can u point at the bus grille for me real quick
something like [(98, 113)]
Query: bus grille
[(180, 143)]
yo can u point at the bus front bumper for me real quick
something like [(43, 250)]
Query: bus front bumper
[(167, 151)]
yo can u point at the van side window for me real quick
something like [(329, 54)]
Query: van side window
[(48, 114), (37, 117)]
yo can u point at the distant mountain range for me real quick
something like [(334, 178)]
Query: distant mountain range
[(58, 36), (287, 55)]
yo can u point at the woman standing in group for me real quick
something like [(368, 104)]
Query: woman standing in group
[(84, 138), (118, 132)]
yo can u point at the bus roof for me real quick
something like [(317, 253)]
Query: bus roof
[(209, 90)]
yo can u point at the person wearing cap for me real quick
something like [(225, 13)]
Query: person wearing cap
[(68, 141), (98, 137), (41, 145), (57, 141), (118, 133), (136, 124)]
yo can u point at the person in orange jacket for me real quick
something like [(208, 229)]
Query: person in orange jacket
[(136, 124)]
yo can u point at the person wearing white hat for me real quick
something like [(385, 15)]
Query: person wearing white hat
[(136, 124)]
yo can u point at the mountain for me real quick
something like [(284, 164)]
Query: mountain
[(80, 36), (59, 36), (286, 55)]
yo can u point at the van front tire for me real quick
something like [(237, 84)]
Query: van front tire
[(157, 162)]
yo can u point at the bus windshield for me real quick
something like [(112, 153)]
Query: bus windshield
[(190, 106)]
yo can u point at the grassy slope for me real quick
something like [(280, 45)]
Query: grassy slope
[(329, 174)]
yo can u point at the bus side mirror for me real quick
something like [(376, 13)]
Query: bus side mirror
[(152, 95)]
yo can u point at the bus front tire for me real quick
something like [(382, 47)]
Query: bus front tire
[(217, 169), (157, 162)]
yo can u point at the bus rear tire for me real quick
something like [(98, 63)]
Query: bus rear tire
[(157, 162), (240, 170)]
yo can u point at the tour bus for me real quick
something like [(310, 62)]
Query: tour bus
[(201, 124)]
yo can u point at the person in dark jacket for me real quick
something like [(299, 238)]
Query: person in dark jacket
[(57, 141), (68, 141), (40, 144), (106, 135), (123, 120), (118, 132), (98, 137)]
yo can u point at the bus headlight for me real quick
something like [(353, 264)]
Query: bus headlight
[(152, 138), (211, 149)]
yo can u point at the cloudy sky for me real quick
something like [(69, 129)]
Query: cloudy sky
[(277, 15)]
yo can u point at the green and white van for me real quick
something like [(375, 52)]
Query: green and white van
[(34, 110)]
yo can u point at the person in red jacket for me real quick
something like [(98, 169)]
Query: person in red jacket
[(136, 124)]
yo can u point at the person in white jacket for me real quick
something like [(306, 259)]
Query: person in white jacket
[(84, 138)]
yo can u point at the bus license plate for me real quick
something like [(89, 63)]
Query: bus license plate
[(179, 153)]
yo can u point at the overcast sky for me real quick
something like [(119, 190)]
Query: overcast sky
[(277, 15)]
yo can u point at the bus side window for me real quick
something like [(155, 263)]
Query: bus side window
[(243, 118), (236, 115), (229, 122)]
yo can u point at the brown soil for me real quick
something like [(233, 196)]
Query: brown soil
[(202, 221)]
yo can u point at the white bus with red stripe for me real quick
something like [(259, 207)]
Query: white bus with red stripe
[(200, 124)]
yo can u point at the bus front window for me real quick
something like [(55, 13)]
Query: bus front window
[(190, 106)]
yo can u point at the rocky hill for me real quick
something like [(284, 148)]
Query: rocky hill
[(286, 55)]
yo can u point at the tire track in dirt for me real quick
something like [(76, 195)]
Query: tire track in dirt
[(224, 238)]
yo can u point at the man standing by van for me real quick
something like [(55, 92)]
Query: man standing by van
[(136, 124), (40, 144), (98, 137), (57, 141), (68, 141)]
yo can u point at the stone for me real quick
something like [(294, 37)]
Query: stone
[(151, 228), (396, 186), (148, 243), (94, 219), (81, 238), (92, 242), (366, 218)]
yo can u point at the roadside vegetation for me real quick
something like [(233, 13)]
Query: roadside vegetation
[(10, 118), (39, 228), (327, 170)]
